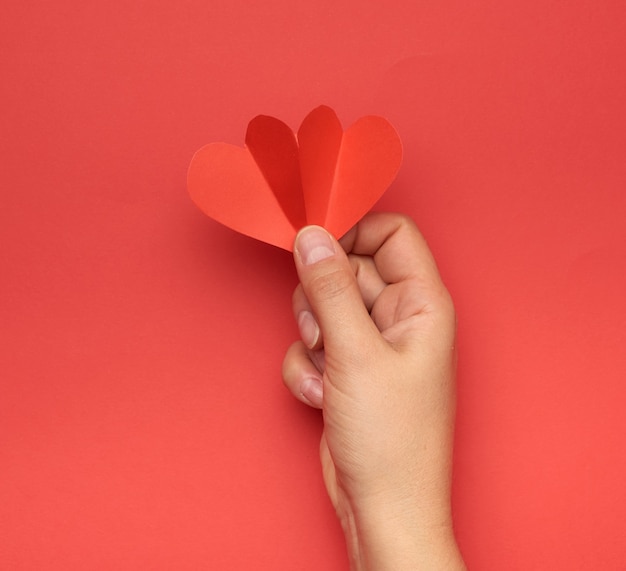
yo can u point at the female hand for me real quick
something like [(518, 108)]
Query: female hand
[(377, 355)]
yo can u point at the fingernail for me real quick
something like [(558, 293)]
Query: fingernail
[(311, 390), (309, 329), (314, 244)]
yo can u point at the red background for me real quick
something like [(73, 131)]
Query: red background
[(143, 422)]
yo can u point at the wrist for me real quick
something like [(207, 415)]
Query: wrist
[(380, 539)]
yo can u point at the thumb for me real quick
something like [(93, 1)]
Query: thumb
[(331, 288)]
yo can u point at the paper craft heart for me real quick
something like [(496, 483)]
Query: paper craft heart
[(280, 182)]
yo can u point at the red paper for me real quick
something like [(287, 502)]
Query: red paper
[(280, 181)]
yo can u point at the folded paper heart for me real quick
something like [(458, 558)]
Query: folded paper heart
[(280, 181)]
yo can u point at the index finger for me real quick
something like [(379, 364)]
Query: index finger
[(397, 246)]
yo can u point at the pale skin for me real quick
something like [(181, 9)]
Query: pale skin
[(377, 356)]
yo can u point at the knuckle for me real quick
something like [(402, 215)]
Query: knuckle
[(298, 299), (290, 363), (442, 302), (331, 284), (405, 221), (446, 304), (444, 311)]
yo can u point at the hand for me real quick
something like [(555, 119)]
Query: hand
[(378, 357)]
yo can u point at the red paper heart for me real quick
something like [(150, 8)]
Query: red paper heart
[(279, 182)]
